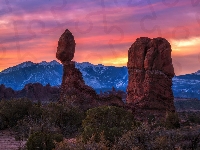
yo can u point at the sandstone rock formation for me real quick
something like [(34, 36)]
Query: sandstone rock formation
[(37, 92), (33, 91), (112, 97), (66, 47), (73, 88), (6, 93), (150, 75)]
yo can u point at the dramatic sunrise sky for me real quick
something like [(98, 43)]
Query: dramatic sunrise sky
[(103, 29)]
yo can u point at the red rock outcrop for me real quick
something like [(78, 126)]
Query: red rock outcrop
[(150, 75), (112, 98), (66, 47), (37, 92), (73, 88), (6, 93), (33, 91)]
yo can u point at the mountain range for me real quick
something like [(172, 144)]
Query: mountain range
[(99, 77)]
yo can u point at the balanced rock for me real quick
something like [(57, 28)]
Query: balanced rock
[(73, 88), (150, 71), (66, 47)]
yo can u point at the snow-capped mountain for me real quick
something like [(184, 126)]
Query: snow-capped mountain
[(187, 86), (103, 77), (99, 77), (96, 76), (18, 76)]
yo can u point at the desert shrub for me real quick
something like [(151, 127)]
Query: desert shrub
[(172, 120), (28, 126), (194, 117), (53, 113), (53, 117), (13, 110), (108, 120), (36, 112), (69, 119), (3, 122), (72, 120), (151, 119), (69, 144), (43, 141), (143, 137)]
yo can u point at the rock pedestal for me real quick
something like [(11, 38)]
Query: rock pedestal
[(150, 75), (73, 88)]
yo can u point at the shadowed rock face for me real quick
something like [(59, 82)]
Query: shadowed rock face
[(73, 88), (150, 74)]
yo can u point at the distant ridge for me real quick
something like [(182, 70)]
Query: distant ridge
[(99, 77), (96, 76)]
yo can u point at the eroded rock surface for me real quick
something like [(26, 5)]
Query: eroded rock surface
[(150, 75), (73, 88), (66, 47)]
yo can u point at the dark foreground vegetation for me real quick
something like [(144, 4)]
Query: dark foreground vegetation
[(63, 127)]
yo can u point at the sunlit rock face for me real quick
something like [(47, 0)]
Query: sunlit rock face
[(150, 71), (73, 88)]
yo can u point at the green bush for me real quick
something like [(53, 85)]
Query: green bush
[(172, 120), (36, 112), (194, 117), (69, 119), (13, 110), (53, 117), (73, 144), (43, 141), (143, 137), (108, 120)]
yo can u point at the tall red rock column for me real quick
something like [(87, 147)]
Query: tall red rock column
[(150, 71), (73, 88)]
